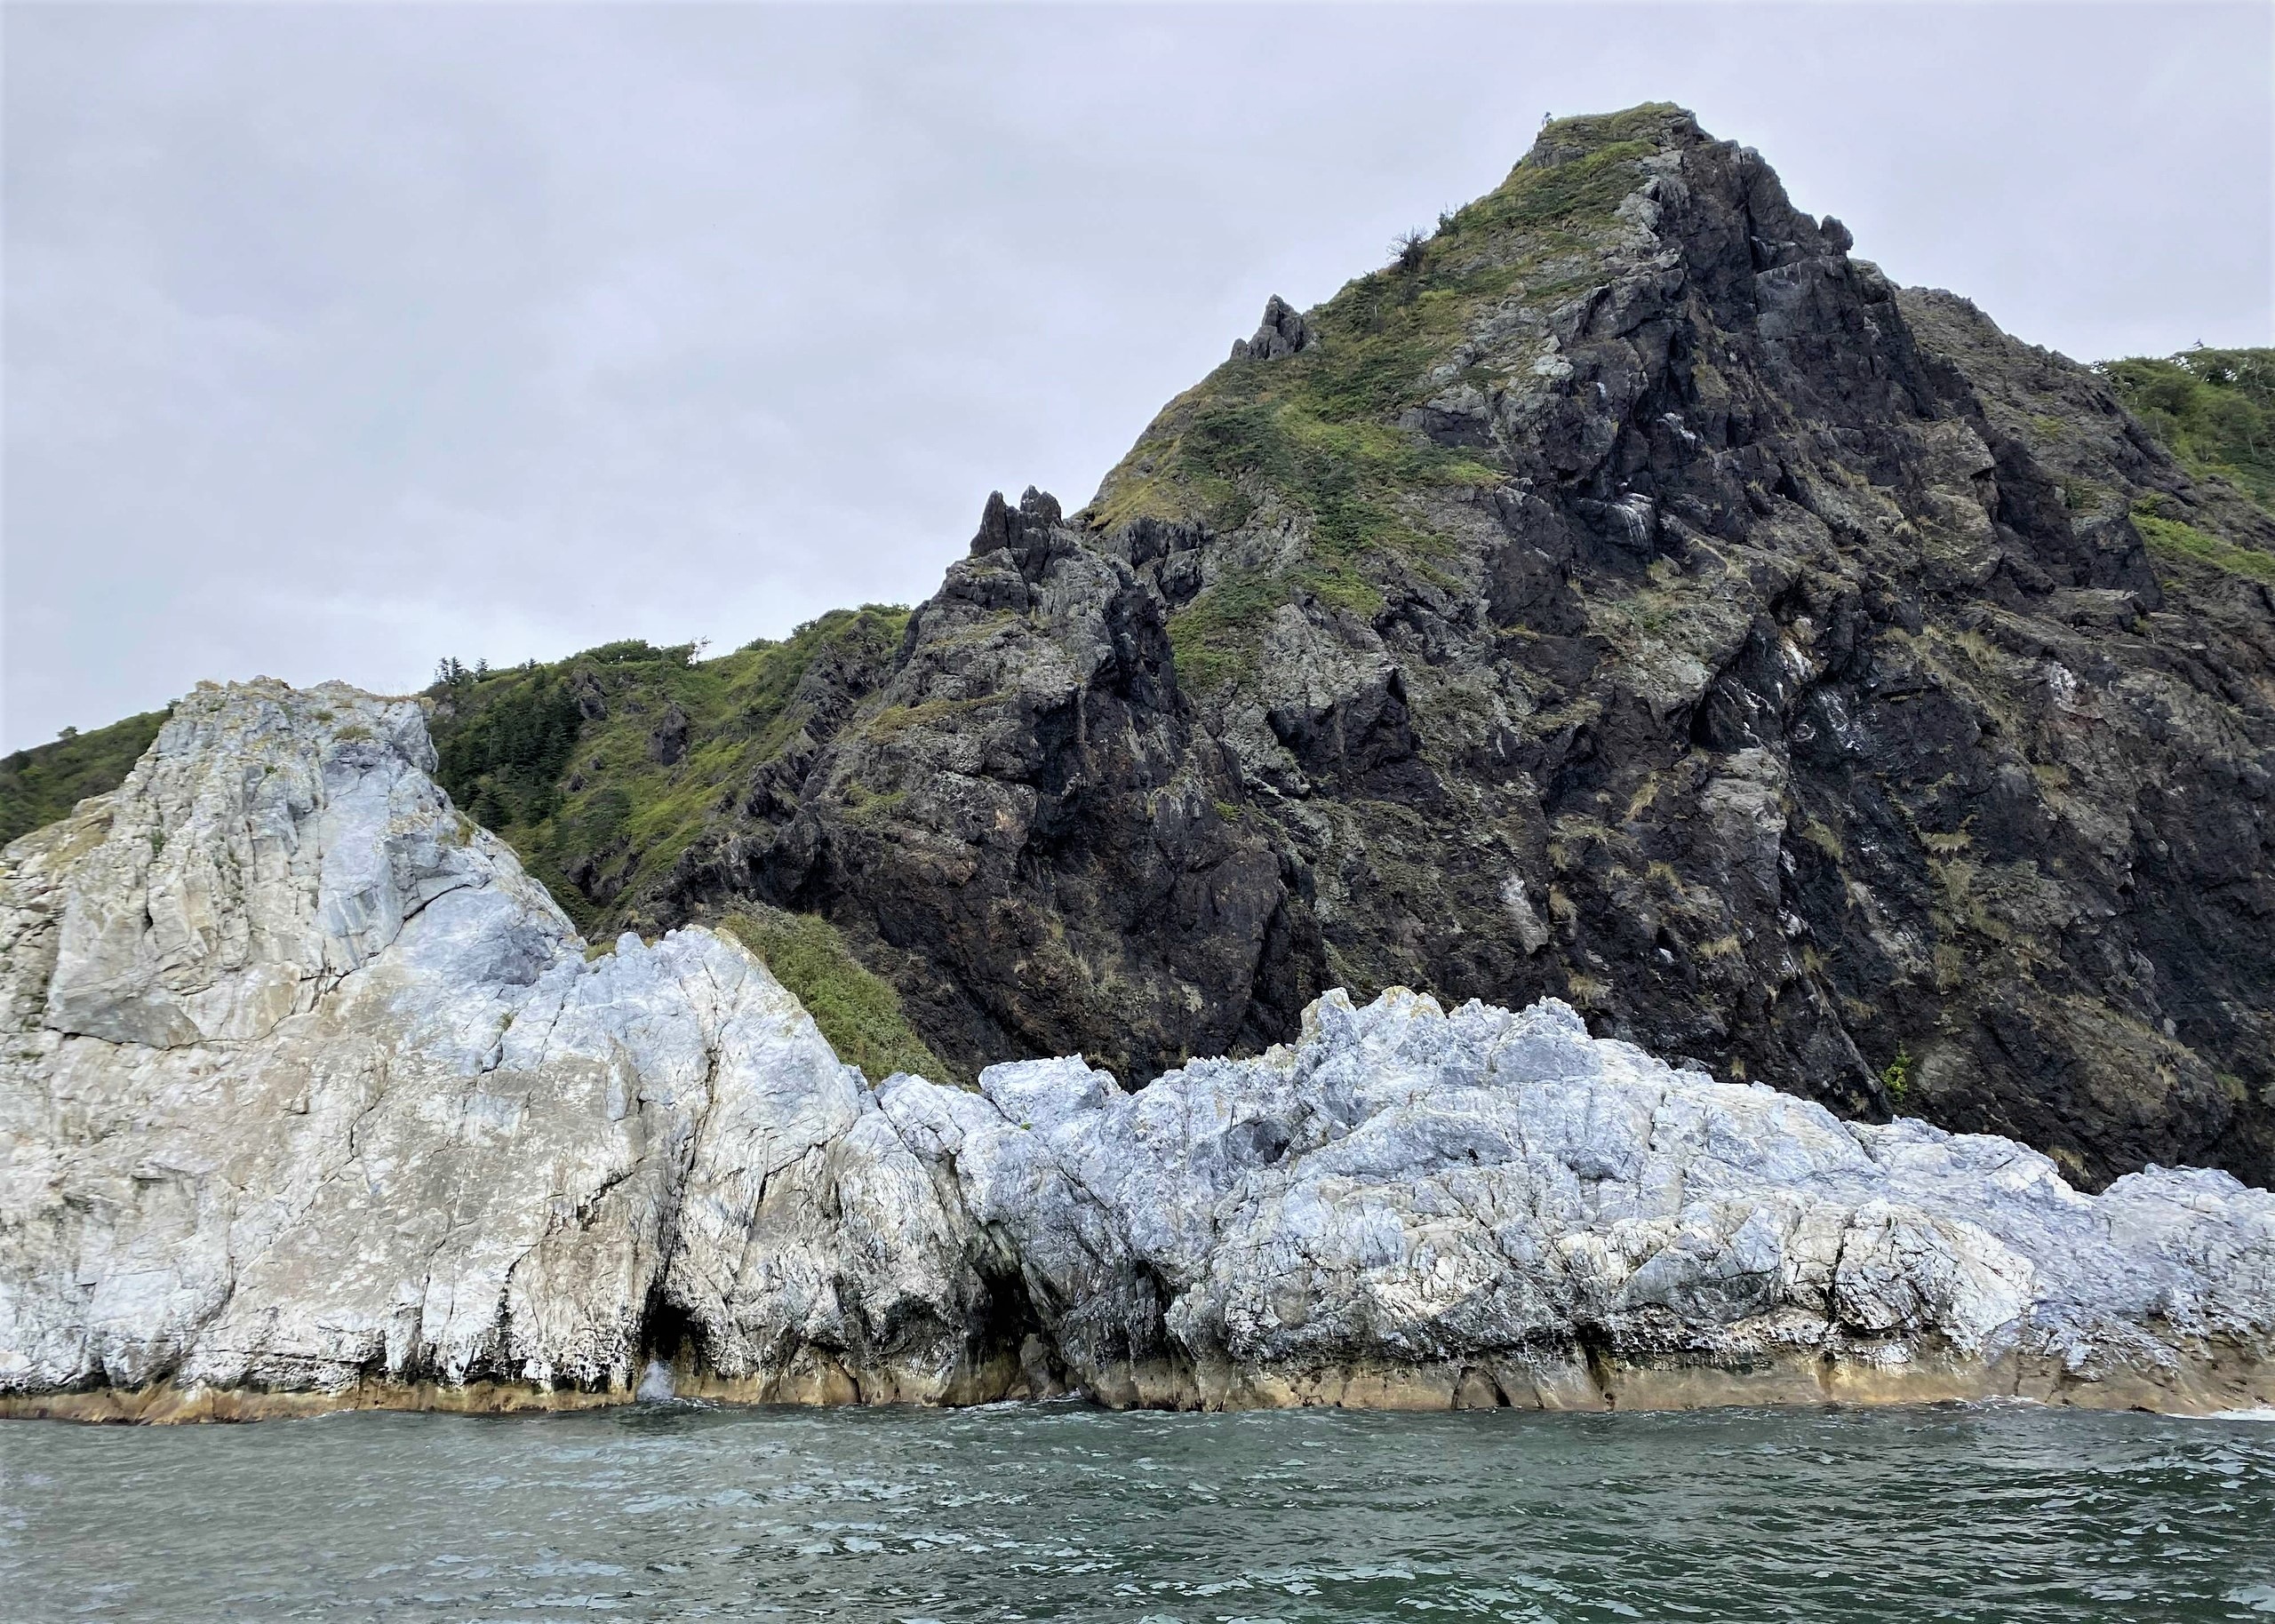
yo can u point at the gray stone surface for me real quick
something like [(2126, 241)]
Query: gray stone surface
[(1406, 1198), (310, 1095), (1283, 331), (307, 1084)]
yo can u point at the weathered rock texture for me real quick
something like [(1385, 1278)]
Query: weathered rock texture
[(310, 1098), (307, 1085), (1628, 597)]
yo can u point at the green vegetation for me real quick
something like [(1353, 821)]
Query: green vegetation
[(636, 651), (504, 764), (1536, 196), (600, 769), (43, 784), (1897, 1078), (1215, 637), (2214, 409), (1315, 435), (2174, 542), (856, 1010)]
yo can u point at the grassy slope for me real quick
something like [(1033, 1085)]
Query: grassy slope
[(2214, 409), (593, 803), (858, 1011), (2172, 541), (1313, 437), (42, 784)]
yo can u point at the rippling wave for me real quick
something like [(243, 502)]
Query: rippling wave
[(1993, 1513)]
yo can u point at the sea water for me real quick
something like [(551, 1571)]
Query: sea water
[(1992, 1513)]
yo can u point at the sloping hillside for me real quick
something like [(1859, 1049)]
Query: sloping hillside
[(1626, 595)]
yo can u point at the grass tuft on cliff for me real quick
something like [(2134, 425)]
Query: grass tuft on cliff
[(856, 1010), (2172, 541)]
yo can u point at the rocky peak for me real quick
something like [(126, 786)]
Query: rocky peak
[(1627, 596), (1283, 332), (1017, 529), (1631, 596), (1660, 125)]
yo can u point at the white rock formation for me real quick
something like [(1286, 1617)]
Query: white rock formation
[(306, 1086), (308, 1096), (1410, 1207)]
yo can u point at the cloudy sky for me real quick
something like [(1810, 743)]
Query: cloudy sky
[(338, 340)]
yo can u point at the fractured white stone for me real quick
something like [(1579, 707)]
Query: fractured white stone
[(305, 1085)]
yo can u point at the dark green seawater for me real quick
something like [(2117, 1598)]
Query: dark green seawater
[(1991, 1513)]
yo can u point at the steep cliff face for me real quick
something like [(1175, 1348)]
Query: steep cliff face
[(310, 1098), (1628, 596), (306, 1087)]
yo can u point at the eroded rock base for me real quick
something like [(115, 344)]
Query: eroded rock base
[(2224, 1380), (311, 1100)]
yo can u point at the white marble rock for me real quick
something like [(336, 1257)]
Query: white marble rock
[(308, 1093)]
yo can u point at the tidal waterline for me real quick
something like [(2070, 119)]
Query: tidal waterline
[(2000, 1513)]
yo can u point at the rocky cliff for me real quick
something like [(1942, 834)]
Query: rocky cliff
[(1626, 596), (309, 1097)]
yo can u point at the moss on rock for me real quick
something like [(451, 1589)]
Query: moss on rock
[(856, 1010)]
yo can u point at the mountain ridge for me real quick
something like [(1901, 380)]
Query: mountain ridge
[(1626, 596)]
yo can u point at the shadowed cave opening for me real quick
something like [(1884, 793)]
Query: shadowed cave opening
[(670, 1341)]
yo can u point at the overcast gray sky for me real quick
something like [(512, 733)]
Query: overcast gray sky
[(339, 340)]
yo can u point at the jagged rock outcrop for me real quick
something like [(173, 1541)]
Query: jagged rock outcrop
[(1283, 332), (1031, 739), (1409, 1207), (1630, 598), (306, 1086), (311, 1097)]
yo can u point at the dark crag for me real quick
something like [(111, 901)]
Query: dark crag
[(1626, 596)]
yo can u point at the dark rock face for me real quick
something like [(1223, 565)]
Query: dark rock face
[(1281, 333), (1027, 831), (1633, 599), (668, 744)]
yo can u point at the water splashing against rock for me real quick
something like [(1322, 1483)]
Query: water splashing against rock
[(655, 1383)]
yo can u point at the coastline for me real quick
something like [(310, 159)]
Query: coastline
[(491, 1172), (2226, 1381)]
